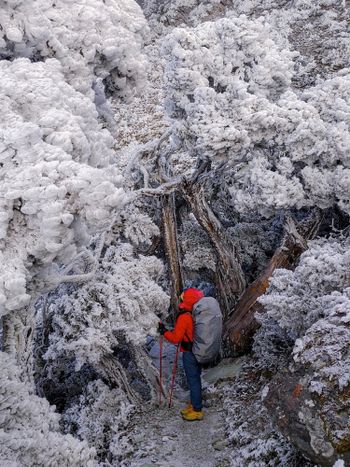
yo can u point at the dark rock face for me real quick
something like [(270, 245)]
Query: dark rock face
[(317, 425)]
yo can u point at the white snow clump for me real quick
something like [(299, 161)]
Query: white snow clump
[(29, 433)]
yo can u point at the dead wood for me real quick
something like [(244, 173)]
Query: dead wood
[(171, 248), (230, 280), (241, 326)]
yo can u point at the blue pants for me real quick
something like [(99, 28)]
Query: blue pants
[(193, 371)]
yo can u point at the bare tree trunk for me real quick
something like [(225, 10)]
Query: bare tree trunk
[(8, 334), (229, 276), (171, 247), (114, 374), (240, 328)]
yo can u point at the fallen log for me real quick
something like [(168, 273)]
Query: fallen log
[(242, 325)]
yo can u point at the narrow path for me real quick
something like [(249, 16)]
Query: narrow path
[(164, 439)]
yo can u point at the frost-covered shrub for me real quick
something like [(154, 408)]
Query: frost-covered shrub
[(254, 241), (325, 346), (100, 418), (197, 251), (136, 226), (306, 319), (252, 439), (29, 427), (298, 299), (272, 345), (230, 97), (122, 299), (178, 12), (93, 39), (217, 75), (54, 182)]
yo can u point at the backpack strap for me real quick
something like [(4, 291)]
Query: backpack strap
[(187, 346)]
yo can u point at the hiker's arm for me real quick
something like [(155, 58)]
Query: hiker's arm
[(179, 331)]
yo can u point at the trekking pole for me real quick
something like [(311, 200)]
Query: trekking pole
[(160, 369), (173, 376)]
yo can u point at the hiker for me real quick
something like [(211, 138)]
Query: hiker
[(184, 333)]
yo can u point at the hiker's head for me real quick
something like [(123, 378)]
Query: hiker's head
[(189, 297)]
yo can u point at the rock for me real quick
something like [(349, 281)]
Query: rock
[(318, 425), (220, 444), (226, 369)]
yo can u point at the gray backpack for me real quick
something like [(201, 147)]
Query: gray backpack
[(207, 319)]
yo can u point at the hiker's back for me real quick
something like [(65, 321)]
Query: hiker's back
[(207, 330)]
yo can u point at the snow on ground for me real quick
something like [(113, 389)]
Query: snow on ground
[(163, 439), (167, 440)]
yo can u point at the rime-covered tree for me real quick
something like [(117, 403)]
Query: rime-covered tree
[(29, 433), (231, 97), (94, 40), (57, 183), (303, 343), (240, 122), (54, 158), (58, 188), (119, 305)]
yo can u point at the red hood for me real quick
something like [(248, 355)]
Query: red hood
[(191, 296)]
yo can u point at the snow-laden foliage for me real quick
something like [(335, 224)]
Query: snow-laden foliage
[(29, 427), (136, 226), (94, 40), (217, 75), (325, 346), (193, 12), (178, 12), (54, 181), (298, 299), (307, 316), (252, 440), (197, 252), (255, 241), (272, 345), (122, 299), (101, 325), (231, 98), (100, 418)]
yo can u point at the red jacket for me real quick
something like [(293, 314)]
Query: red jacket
[(184, 328)]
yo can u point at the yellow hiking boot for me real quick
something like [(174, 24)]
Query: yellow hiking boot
[(192, 415), (187, 409)]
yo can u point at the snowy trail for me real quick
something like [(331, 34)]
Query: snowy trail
[(173, 442), (164, 439)]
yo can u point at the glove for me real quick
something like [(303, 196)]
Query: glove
[(161, 328)]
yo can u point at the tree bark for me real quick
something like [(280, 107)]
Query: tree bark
[(241, 326), (230, 280), (171, 247), (115, 376)]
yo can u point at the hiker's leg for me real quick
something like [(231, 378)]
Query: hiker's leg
[(193, 375)]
